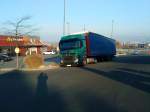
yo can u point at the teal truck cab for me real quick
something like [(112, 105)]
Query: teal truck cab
[(86, 47)]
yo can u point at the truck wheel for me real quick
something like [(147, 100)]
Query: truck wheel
[(84, 62), (61, 65)]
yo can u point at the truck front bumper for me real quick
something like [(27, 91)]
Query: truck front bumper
[(69, 61), (69, 64)]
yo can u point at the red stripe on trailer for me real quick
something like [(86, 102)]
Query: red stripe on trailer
[(87, 44)]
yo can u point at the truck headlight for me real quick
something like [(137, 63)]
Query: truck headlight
[(76, 60)]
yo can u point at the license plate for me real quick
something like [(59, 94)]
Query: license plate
[(68, 65)]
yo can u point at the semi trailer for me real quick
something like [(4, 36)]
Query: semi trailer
[(85, 47)]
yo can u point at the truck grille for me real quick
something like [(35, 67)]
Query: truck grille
[(68, 59)]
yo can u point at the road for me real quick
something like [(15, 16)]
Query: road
[(122, 85), (12, 63)]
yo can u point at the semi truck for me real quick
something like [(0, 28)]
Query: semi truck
[(79, 49)]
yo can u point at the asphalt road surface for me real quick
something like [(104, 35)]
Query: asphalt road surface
[(122, 85)]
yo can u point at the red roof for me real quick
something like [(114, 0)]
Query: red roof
[(20, 41)]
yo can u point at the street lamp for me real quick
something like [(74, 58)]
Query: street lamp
[(64, 22), (112, 30), (68, 28), (17, 50), (84, 28)]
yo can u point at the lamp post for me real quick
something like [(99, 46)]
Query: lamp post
[(64, 22), (17, 50), (84, 28), (68, 28), (112, 30)]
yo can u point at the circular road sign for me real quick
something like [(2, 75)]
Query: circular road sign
[(17, 50)]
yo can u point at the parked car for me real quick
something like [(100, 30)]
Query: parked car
[(49, 52), (5, 58), (135, 53)]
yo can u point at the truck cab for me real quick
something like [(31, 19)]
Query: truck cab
[(72, 50)]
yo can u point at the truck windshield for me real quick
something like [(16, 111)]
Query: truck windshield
[(70, 44)]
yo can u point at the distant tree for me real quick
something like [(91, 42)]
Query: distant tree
[(19, 27)]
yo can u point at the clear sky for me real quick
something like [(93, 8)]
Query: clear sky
[(131, 17)]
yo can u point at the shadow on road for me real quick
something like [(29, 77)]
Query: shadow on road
[(133, 59), (93, 103), (53, 59), (42, 88), (46, 99), (136, 71), (133, 79), (16, 94)]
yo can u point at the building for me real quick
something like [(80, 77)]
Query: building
[(26, 44)]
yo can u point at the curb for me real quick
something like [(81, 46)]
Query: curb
[(28, 69), (39, 69), (7, 69)]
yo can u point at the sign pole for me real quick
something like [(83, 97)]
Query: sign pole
[(17, 61), (17, 58), (64, 24)]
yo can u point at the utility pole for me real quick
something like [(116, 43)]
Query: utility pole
[(84, 27), (112, 30), (17, 60), (17, 48), (68, 28), (64, 22)]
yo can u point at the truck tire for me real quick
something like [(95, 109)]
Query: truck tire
[(62, 65), (84, 62)]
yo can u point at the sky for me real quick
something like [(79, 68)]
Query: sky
[(131, 17)]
